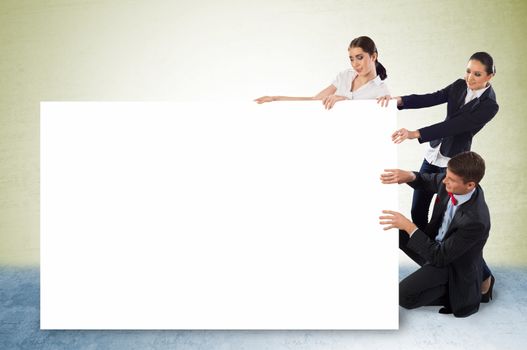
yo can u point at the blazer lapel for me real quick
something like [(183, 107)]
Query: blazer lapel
[(489, 93), (471, 105), (460, 212), (437, 214), (455, 220), (461, 99)]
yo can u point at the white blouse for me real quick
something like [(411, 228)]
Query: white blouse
[(371, 90)]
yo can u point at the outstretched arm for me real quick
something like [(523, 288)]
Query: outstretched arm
[(427, 100), (416, 101), (457, 244), (403, 134), (397, 176), (330, 90), (468, 121), (428, 182), (438, 254), (393, 219)]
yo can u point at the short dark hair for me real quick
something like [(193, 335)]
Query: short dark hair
[(469, 166), (368, 45), (486, 60)]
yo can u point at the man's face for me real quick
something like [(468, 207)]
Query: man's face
[(455, 184)]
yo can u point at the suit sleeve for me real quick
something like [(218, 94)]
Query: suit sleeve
[(468, 121), (453, 247), (428, 182), (427, 100)]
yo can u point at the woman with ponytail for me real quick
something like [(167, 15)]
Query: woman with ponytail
[(365, 80)]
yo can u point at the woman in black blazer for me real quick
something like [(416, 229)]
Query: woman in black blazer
[(471, 103)]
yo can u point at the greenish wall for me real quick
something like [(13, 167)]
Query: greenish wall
[(176, 50)]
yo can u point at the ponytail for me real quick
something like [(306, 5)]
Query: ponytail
[(381, 71)]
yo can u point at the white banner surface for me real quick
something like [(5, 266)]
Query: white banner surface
[(227, 215)]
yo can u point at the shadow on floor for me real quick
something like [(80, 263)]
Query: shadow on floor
[(500, 324)]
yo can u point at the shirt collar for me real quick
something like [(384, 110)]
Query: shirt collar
[(477, 93), (377, 80), (462, 198)]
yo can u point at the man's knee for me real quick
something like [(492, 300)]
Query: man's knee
[(407, 302), (407, 298)]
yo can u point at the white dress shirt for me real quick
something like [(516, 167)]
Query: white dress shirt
[(450, 212), (371, 90)]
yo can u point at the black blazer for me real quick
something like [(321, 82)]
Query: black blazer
[(462, 248), (462, 122)]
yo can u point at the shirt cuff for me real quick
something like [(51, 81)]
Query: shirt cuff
[(411, 233), (348, 95)]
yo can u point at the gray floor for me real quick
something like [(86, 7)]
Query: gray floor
[(501, 324)]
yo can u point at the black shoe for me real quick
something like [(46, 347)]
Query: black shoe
[(445, 310), (485, 298)]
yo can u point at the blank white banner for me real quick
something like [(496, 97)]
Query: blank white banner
[(213, 215)]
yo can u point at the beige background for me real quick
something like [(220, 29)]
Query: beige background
[(177, 50)]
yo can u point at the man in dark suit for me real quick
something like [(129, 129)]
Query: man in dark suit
[(450, 249)]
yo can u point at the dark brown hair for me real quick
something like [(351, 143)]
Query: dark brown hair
[(486, 60), (469, 166), (367, 45)]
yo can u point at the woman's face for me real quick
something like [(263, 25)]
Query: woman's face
[(476, 75), (362, 62)]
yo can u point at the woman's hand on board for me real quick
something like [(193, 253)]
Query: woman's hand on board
[(264, 99), (384, 100), (329, 101)]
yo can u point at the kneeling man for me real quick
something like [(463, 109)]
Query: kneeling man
[(450, 249)]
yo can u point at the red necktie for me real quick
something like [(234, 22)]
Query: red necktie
[(452, 198)]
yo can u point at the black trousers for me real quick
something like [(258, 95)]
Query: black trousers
[(426, 286), (421, 198)]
